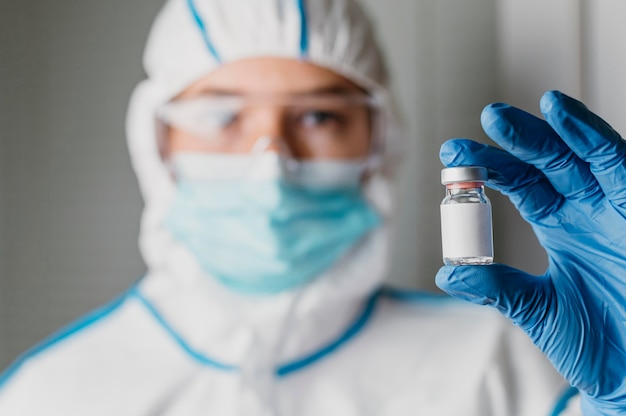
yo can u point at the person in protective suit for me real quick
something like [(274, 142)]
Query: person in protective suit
[(265, 140)]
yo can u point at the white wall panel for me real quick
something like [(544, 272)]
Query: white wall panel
[(539, 49), (575, 46), (605, 60), (442, 58), (538, 45), (398, 29)]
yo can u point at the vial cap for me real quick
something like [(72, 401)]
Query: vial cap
[(464, 174)]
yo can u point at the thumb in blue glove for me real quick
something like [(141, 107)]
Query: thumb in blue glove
[(566, 175)]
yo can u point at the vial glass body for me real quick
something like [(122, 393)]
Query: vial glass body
[(466, 228)]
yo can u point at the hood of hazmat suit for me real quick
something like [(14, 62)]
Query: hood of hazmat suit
[(181, 343)]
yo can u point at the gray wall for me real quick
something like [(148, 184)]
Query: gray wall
[(69, 201), (69, 204)]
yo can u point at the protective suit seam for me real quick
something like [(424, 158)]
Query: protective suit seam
[(304, 35), (177, 338), (282, 370), (203, 30), (357, 326)]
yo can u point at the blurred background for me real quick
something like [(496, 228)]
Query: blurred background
[(69, 202)]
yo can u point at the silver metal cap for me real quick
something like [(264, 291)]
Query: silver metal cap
[(464, 174)]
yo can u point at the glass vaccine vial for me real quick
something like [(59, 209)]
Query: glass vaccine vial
[(466, 230)]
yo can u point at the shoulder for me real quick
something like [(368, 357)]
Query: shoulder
[(65, 337), (426, 331), (435, 343), (437, 325), (97, 356)]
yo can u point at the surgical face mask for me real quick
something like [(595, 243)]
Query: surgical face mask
[(259, 228)]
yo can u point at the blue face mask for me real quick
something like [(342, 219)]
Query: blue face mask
[(267, 235)]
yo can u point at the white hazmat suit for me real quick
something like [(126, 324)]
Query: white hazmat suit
[(179, 343)]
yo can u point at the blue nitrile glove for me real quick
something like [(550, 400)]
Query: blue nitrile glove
[(567, 177)]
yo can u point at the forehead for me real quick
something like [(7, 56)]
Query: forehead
[(270, 75)]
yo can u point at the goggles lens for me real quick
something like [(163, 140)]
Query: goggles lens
[(313, 126)]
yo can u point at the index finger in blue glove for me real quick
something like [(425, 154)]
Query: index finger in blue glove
[(593, 140), (534, 141), (527, 188)]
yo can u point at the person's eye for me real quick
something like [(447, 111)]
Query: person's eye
[(320, 118)]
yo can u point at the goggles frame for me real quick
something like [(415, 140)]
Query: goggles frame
[(169, 114)]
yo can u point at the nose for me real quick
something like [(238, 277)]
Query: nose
[(268, 144), (268, 132)]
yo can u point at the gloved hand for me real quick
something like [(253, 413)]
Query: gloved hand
[(567, 177)]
